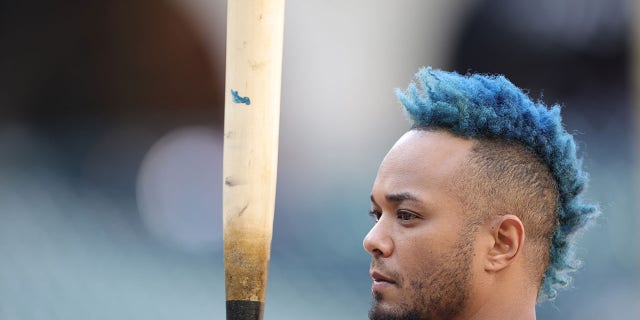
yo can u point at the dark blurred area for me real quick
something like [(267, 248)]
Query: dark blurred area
[(567, 47), (99, 81), (560, 51), (87, 89)]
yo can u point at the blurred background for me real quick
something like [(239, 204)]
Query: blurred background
[(111, 139)]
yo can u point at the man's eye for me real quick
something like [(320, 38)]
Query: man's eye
[(406, 215), (375, 215)]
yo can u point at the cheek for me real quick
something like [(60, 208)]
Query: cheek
[(423, 254), (427, 243), (416, 256)]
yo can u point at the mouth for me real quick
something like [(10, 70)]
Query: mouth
[(381, 281)]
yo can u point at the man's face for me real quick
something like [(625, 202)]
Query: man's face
[(421, 247)]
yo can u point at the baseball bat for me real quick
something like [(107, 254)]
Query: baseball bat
[(252, 111)]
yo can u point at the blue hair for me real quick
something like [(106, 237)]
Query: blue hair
[(488, 106)]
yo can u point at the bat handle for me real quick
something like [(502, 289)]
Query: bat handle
[(244, 310)]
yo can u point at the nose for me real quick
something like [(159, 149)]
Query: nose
[(378, 241)]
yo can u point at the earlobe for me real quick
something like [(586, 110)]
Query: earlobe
[(508, 237)]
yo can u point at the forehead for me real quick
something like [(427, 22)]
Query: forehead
[(423, 163)]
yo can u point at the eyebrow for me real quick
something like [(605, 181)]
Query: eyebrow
[(398, 197)]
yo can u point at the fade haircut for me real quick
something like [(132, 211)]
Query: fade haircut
[(527, 163)]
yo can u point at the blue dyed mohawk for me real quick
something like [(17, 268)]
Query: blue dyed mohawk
[(485, 106)]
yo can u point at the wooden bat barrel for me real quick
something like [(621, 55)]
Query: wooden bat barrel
[(252, 111)]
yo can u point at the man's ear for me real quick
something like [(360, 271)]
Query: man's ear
[(507, 233)]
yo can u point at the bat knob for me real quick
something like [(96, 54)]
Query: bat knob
[(244, 310)]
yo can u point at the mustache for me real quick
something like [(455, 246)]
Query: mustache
[(378, 265)]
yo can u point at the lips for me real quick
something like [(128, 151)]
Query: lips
[(378, 277), (381, 281)]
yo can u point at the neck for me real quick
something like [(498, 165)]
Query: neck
[(504, 301), (504, 311)]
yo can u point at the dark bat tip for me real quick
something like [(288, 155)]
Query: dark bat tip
[(244, 310)]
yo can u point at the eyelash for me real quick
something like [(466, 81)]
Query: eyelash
[(404, 215), (375, 215), (401, 214)]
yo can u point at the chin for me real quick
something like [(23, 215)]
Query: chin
[(380, 312), (385, 310)]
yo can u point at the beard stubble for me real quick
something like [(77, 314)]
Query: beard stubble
[(441, 292)]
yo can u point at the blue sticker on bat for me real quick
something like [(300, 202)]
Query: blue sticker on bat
[(238, 99)]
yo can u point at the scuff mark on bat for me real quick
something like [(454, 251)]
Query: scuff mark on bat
[(243, 210), (257, 65), (230, 182)]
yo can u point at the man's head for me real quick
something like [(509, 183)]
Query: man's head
[(481, 195)]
